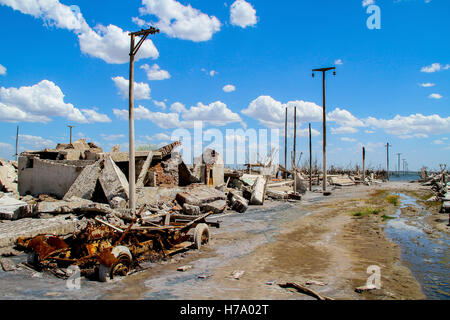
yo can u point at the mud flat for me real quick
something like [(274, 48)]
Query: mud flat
[(331, 240)]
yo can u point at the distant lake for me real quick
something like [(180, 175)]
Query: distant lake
[(409, 176)]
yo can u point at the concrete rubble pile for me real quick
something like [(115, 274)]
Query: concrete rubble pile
[(440, 184), (8, 176)]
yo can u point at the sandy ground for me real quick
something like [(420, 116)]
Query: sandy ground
[(319, 238)]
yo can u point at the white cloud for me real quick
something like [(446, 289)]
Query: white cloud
[(271, 112), (412, 124), (51, 11), (2, 70), (370, 146), (93, 116), (112, 137), (141, 23), (348, 139), (338, 62), (366, 3), (155, 73), (434, 68), (216, 113), (36, 142), (229, 88), (344, 118), (427, 85), (212, 73), (109, 43), (160, 104), (242, 14), (162, 120), (5, 146), (180, 21), (158, 137), (141, 89), (438, 142), (344, 130), (435, 96), (40, 102), (112, 45), (177, 107)]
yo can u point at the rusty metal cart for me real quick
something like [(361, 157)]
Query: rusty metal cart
[(104, 251)]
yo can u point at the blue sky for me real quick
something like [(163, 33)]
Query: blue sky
[(232, 64)]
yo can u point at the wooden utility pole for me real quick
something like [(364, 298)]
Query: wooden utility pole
[(324, 70), (387, 160), (131, 164), (70, 133), (295, 133), (310, 159), (285, 143), (17, 143), (364, 164)]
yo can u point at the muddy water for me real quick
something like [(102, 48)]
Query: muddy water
[(424, 251)]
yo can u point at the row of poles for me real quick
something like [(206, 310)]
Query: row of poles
[(134, 48)]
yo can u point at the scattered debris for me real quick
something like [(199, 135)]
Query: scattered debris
[(13, 209), (7, 264), (365, 288), (184, 268), (303, 289), (315, 283), (237, 274)]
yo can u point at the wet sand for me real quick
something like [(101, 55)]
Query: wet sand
[(319, 238)]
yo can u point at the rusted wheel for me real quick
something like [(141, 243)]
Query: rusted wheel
[(120, 268), (201, 235)]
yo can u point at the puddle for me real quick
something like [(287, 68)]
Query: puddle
[(427, 257)]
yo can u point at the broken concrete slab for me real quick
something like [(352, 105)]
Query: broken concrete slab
[(277, 195), (13, 209), (300, 184), (63, 206), (113, 180), (217, 207), (7, 264), (237, 202), (200, 196), (258, 191), (8, 177), (191, 210), (341, 181), (10, 231), (118, 203), (141, 178), (84, 185)]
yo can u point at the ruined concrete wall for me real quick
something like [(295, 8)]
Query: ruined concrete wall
[(218, 178), (38, 176), (164, 175)]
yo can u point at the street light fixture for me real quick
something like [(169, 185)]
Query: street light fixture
[(131, 167)]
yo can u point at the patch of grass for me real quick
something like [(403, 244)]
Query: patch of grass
[(364, 212), (376, 193), (385, 217), (393, 199)]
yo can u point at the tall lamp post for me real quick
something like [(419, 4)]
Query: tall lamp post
[(131, 167), (324, 70)]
